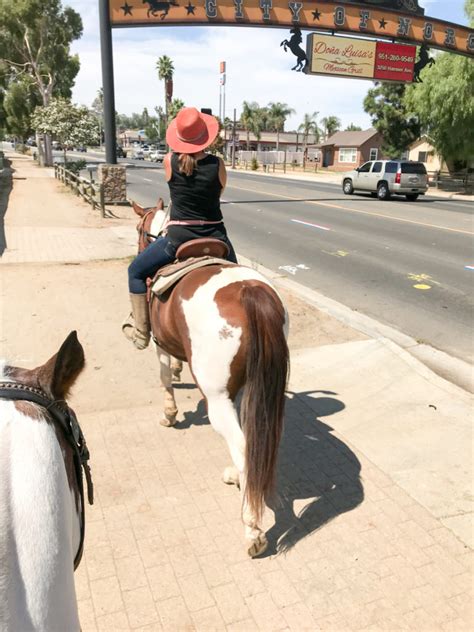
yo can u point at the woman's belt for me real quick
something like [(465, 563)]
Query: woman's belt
[(192, 222)]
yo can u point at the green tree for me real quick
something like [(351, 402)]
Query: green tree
[(251, 120), (69, 124), (35, 39), (97, 109), (331, 125), (165, 69), (399, 128), (444, 106), (307, 127), (279, 112), (353, 128), (174, 107), (19, 102)]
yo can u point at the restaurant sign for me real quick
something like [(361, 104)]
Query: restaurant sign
[(360, 58)]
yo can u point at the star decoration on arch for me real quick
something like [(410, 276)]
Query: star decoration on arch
[(382, 23), (190, 8), (316, 15), (127, 8)]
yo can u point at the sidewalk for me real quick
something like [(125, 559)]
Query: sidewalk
[(374, 527)]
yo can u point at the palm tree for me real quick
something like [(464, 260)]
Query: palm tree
[(165, 68), (251, 120), (331, 125), (278, 113), (309, 126)]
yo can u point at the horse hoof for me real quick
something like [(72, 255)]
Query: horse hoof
[(231, 476), (258, 545), (168, 421)]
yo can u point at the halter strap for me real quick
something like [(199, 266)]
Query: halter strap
[(68, 423)]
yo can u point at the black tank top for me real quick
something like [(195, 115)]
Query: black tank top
[(196, 197)]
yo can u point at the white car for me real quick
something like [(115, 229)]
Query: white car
[(138, 154), (157, 155)]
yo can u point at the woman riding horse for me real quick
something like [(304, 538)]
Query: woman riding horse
[(196, 181)]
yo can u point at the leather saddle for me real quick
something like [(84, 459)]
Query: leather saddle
[(193, 254)]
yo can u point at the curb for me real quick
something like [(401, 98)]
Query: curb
[(452, 369)]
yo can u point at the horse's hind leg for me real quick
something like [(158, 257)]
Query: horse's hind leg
[(170, 408), (224, 419), (176, 369)]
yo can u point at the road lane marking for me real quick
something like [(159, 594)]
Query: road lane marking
[(148, 179), (352, 210), (298, 221)]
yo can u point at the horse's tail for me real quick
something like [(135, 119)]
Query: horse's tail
[(263, 401)]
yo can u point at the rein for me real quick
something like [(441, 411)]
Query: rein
[(67, 421)]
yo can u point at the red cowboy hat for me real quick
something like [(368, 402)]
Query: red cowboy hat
[(191, 131)]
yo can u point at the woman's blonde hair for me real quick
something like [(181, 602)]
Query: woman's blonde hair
[(187, 164)]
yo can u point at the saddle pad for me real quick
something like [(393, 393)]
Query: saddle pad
[(162, 283)]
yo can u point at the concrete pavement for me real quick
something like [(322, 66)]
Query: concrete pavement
[(374, 525)]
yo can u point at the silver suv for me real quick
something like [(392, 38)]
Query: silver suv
[(386, 177)]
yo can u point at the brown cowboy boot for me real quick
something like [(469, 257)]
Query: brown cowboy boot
[(137, 326)]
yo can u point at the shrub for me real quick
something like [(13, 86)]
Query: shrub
[(22, 149), (254, 164), (76, 166)]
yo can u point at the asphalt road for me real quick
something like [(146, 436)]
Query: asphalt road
[(404, 263)]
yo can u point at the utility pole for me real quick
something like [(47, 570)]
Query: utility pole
[(233, 139), (108, 83)]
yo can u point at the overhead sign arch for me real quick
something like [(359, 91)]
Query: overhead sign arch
[(384, 19), (394, 20)]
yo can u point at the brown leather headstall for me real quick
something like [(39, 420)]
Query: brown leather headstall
[(67, 421)]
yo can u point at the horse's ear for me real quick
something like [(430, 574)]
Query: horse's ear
[(139, 210), (59, 373), (160, 205)]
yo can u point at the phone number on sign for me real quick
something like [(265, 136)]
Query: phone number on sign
[(404, 58)]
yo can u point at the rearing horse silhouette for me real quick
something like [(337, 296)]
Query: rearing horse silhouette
[(425, 60), (294, 45)]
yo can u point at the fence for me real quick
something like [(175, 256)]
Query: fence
[(91, 191), (456, 182), (279, 160)]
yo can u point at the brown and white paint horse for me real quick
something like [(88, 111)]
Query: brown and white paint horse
[(40, 512), (230, 325)]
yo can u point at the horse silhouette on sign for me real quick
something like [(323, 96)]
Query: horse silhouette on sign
[(424, 60), (158, 5), (294, 45)]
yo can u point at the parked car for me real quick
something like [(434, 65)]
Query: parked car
[(56, 145), (121, 153), (384, 178), (80, 148), (138, 154), (157, 155)]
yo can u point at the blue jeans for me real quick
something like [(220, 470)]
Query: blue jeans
[(155, 256)]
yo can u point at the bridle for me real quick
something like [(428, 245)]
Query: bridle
[(66, 419), (145, 238)]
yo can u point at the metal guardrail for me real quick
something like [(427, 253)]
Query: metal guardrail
[(92, 192)]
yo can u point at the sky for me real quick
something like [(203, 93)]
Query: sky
[(258, 69)]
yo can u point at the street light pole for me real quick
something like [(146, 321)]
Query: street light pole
[(108, 83)]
